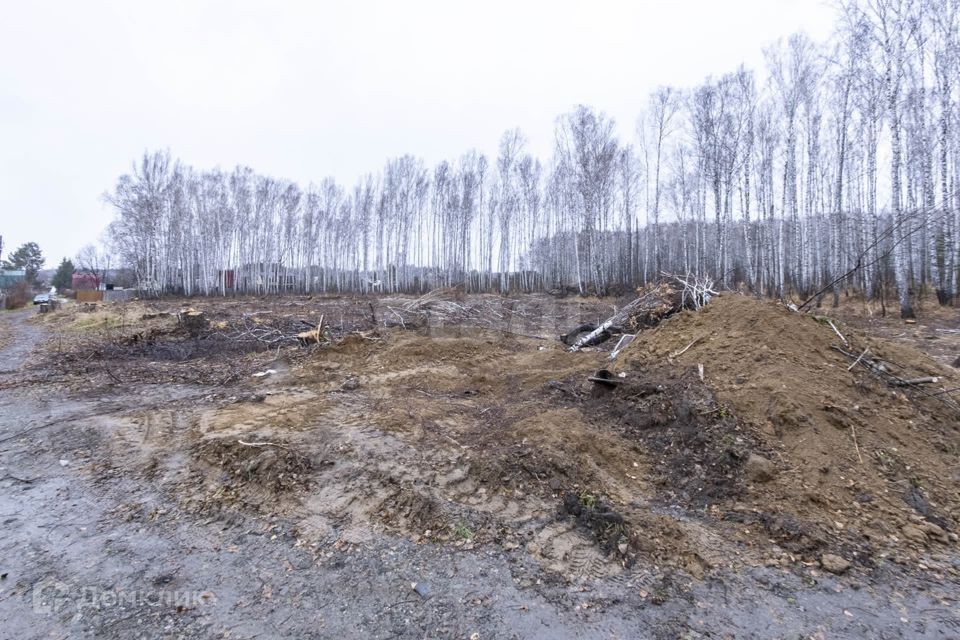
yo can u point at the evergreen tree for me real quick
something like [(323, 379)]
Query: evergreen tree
[(28, 257), (63, 278)]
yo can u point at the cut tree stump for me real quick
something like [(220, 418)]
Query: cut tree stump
[(193, 321), (314, 336)]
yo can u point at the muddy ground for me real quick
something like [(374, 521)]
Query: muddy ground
[(442, 468)]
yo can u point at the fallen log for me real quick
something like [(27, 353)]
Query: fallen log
[(913, 381), (571, 336), (877, 367), (646, 311)]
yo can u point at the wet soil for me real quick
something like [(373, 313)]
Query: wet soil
[(444, 482)]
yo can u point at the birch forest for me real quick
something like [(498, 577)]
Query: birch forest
[(833, 170)]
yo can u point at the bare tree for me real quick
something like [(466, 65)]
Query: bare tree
[(773, 185)]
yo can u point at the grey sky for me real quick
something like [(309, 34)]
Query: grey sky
[(305, 90)]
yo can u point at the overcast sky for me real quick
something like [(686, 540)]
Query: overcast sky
[(304, 90)]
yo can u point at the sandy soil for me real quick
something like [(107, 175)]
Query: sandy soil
[(153, 487)]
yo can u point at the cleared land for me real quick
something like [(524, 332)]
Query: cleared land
[(743, 475)]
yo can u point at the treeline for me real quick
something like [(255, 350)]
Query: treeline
[(834, 167)]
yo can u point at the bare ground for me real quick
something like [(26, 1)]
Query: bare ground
[(152, 487)]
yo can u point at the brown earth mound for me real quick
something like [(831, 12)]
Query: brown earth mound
[(838, 455)]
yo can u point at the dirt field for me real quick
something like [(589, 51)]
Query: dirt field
[(442, 467)]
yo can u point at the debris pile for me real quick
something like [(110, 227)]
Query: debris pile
[(275, 466), (651, 306)]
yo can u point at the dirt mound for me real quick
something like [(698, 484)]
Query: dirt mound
[(828, 452), (698, 449), (273, 466), (608, 526)]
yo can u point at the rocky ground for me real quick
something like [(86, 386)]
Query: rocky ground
[(443, 468)]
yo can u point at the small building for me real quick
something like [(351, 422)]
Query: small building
[(10, 277), (85, 281), (228, 278)]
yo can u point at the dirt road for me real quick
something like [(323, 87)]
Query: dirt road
[(91, 550)]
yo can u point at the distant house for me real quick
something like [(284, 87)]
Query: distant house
[(228, 277), (85, 281), (10, 277)]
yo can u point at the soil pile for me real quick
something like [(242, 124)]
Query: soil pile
[(826, 455)]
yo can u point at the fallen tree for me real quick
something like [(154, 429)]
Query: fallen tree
[(646, 311), (570, 338)]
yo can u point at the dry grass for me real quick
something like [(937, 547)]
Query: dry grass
[(18, 296)]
